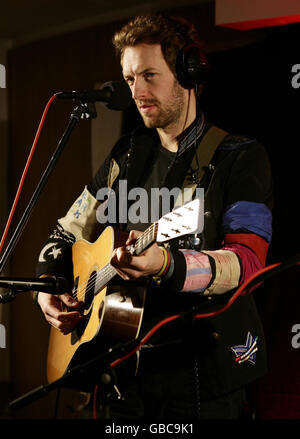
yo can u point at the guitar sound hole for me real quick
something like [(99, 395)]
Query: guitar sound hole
[(80, 328), (88, 302), (78, 331)]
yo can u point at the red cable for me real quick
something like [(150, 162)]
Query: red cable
[(174, 317), (238, 292), (25, 172), (95, 402), (145, 339), (197, 316)]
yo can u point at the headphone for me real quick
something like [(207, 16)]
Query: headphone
[(191, 66)]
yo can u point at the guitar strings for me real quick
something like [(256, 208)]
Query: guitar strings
[(142, 238), (83, 289)]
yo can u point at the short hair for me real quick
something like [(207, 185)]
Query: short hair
[(172, 33)]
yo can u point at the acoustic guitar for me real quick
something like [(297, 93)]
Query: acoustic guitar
[(111, 311)]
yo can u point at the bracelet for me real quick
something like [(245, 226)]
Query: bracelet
[(170, 272), (165, 267)]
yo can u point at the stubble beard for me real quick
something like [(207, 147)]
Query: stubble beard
[(168, 114)]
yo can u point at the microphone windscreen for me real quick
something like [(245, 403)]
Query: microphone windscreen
[(121, 96)]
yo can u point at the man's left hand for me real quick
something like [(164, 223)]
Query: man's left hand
[(129, 267)]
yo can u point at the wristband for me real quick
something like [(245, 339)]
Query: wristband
[(165, 267)]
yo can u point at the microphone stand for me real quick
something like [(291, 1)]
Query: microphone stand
[(83, 111), (97, 366), (86, 110)]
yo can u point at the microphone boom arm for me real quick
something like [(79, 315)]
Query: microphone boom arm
[(79, 112), (50, 285)]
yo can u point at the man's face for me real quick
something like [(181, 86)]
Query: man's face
[(158, 96)]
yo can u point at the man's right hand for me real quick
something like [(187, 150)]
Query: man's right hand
[(61, 311)]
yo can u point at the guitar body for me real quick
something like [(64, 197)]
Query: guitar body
[(111, 313)]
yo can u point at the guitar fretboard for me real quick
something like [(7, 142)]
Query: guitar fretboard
[(146, 239), (108, 272)]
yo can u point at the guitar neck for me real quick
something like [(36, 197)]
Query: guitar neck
[(147, 238), (108, 272)]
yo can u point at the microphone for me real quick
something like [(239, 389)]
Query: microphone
[(50, 285), (115, 95)]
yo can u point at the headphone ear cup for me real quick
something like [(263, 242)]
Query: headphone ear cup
[(191, 66)]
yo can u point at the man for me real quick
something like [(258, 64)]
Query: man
[(191, 368)]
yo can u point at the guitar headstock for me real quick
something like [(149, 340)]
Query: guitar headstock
[(183, 220)]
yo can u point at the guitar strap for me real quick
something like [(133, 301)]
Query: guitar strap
[(201, 160)]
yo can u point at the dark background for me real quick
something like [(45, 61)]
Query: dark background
[(249, 92)]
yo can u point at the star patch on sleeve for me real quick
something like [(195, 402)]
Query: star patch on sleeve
[(246, 352), (50, 252)]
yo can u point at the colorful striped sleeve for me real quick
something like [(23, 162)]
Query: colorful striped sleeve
[(247, 227)]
